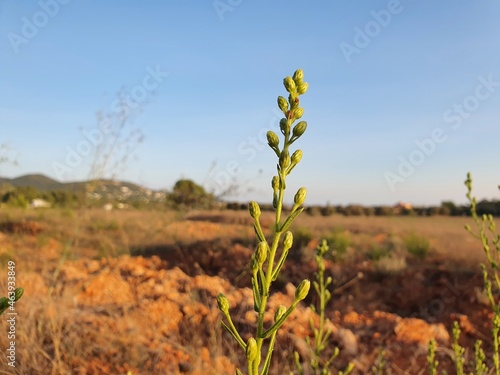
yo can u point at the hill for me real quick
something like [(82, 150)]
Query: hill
[(43, 183), (37, 181), (109, 190)]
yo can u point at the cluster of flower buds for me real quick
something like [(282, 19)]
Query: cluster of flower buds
[(290, 108), (266, 263)]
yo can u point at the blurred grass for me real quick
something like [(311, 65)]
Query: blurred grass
[(417, 245)]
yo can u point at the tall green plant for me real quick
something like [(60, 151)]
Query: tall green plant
[(485, 231), (322, 333), (267, 261)]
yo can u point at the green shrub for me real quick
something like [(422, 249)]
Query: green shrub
[(339, 241), (417, 245), (378, 252)]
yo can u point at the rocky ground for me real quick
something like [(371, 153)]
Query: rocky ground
[(157, 314)]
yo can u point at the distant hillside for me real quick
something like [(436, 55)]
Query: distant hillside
[(37, 181), (98, 189), (43, 183)]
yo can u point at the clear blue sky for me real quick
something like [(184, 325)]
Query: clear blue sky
[(383, 76)]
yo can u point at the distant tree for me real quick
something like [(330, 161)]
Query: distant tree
[(420, 211), (486, 207), (405, 211), (340, 209), (20, 196), (449, 208), (64, 198), (369, 211), (432, 211), (189, 194), (354, 210), (314, 210), (384, 211), (327, 210)]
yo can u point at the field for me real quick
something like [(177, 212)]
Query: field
[(119, 291)]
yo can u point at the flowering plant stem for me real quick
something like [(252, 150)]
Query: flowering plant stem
[(486, 232), (322, 333), (267, 261)]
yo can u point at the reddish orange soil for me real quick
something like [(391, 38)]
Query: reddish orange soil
[(156, 313)]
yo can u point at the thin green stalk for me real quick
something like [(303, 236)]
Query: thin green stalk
[(485, 225), (265, 294), (264, 274), (280, 200), (431, 358), (495, 331), (459, 352), (267, 362), (321, 334), (322, 302)]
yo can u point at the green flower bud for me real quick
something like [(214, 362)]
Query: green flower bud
[(19, 292), (261, 252), (272, 139), (299, 129), (300, 196), (298, 76), (252, 351), (284, 159), (279, 312), (223, 303), (275, 183), (298, 112), (254, 209), (284, 126), (302, 88), (302, 290), (289, 84), (322, 248), (288, 241), (296, 157), (282, 104), (328, 295)]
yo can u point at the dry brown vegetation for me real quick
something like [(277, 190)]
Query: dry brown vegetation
[(119, 291)]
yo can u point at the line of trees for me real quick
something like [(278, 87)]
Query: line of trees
[(447, 208), (186, 194)]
